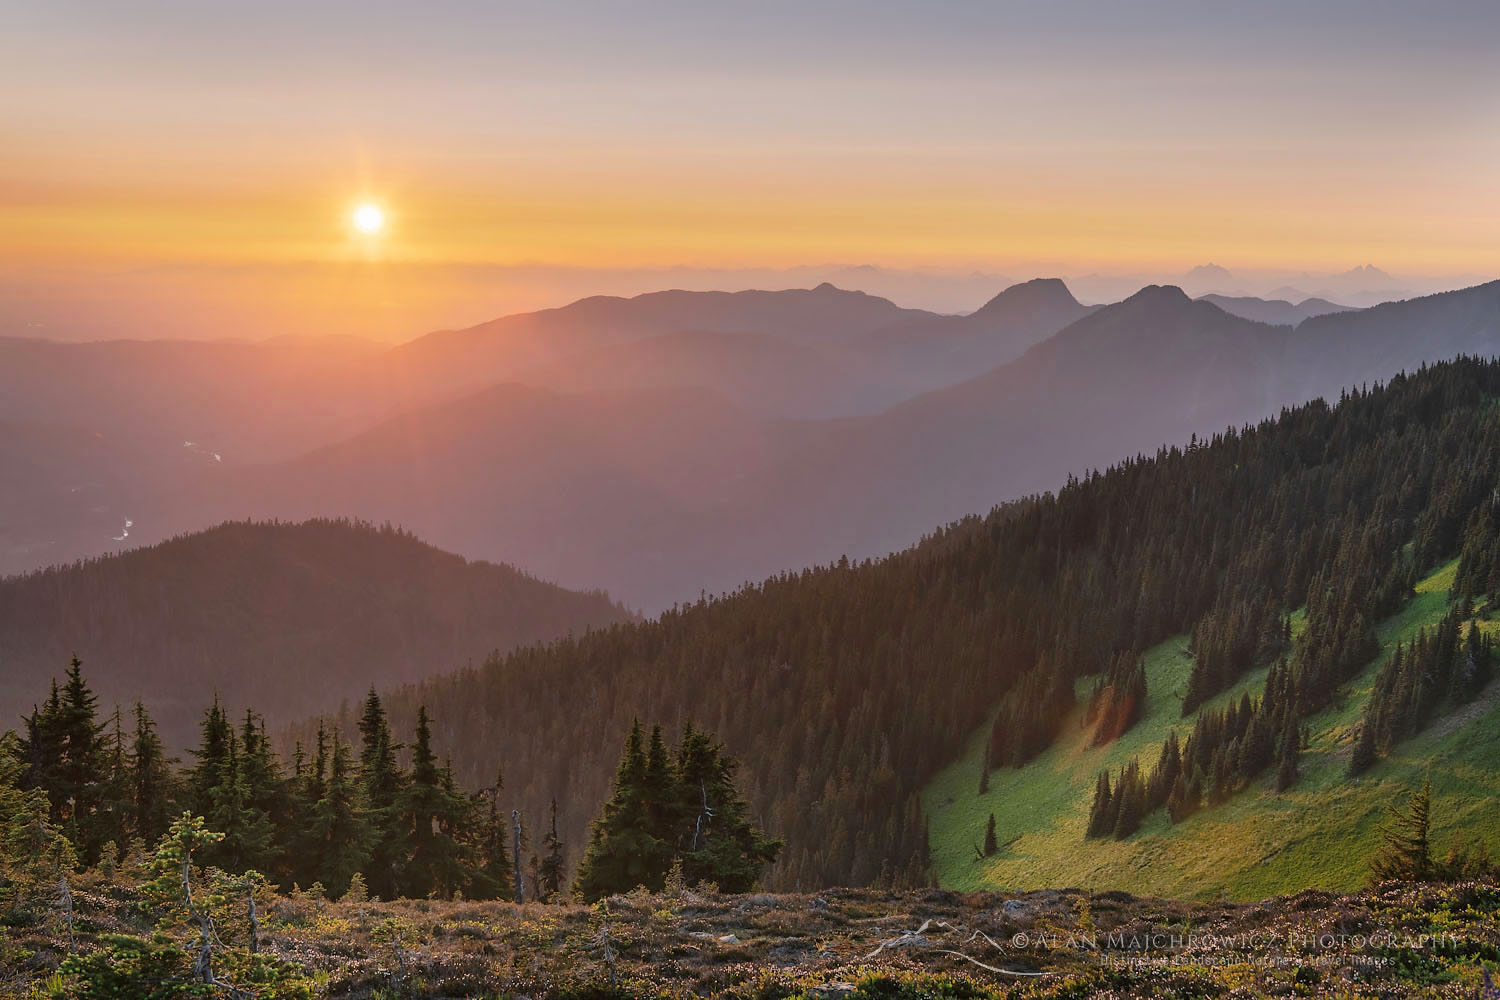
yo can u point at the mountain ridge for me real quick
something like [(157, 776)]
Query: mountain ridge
[(282, 616)]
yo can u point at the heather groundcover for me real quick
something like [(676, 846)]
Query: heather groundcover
[(1397, 941)]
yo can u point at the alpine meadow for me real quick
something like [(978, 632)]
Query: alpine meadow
[(861, 501)]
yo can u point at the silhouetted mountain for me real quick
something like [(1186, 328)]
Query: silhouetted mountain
[(160, 416), (1276, 312), (1209, 278), (503, 349), (1343, 349), (1152, 368), (931, 352), (658, 492), (291, 618), (1367, 273)]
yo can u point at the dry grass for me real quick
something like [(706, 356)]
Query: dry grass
[(862, 945)]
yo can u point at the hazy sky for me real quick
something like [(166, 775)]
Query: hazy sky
[(209, 137)]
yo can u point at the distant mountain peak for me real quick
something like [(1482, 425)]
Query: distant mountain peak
[(1210, 271), (1038, 292), (1160, 295), (827, 286)]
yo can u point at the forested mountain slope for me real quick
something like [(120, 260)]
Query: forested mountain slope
[(844, 689), (289, 618), (1321, 832)]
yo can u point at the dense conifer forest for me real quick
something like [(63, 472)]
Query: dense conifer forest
[(81, 790), (844, 688), (291, 619)]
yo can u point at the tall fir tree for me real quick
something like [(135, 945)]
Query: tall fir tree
[(432, 814), (1406, 848), (340, 834), (381, 782), (551, 874), (623, 852), (151, 781)]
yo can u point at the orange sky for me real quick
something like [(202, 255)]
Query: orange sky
[(947, 136)]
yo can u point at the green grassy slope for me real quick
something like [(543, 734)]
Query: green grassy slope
[(1320, 833)]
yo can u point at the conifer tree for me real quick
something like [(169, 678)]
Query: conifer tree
[(622, 852), (151, 780), (1364, 748), (212, 753), (551, 875), (340, 834), (991, 846), (432, 813), (381, 782), (1100, 823), (1291, 745), (1406, 851), (719, 845), (248, 833), (66, 752), (33, 851), (493, 875)]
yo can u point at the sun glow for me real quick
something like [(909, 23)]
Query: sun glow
[(368, 218)]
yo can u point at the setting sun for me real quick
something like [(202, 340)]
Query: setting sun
[(368, 218)]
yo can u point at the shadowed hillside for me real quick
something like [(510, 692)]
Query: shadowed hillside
[(291, 618)]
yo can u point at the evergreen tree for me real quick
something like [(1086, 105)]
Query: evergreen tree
[(339, 833), (724, 848), (66, 751), (991, 846), (212, 753), (33, 851), (381, 782), (623, 852), (432, 814), (1364, 749), (1100, 822), (550, 877), (248, 833), (1406, 852), (151, 781), (690, 815), (1286, 768), (493, 876)]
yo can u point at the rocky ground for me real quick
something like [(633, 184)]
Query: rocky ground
[(1399, 941)]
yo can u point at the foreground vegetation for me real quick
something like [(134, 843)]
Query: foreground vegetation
[(1396, 941)]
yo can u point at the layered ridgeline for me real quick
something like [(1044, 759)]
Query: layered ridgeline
[(845, 689), (289, 618), (647, 446), (657, 493)]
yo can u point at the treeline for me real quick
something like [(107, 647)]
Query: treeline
[(1226, 749), (331, 817), (351, 816), (1437, 670), (178, 622), (845, 685)]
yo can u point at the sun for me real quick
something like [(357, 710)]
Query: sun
[(368, 218)]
